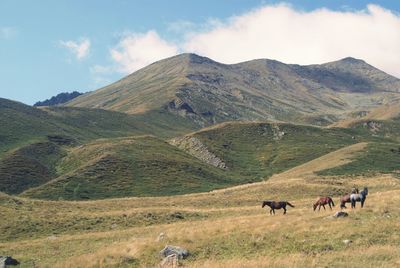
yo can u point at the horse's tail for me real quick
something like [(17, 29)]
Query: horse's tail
[(289, 204)]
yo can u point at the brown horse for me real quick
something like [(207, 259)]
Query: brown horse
[(322, 201), (276, 205), (346, 198)]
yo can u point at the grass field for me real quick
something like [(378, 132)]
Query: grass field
[(222, 228)]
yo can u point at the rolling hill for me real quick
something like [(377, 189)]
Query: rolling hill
[(208, 92), (24, 125), (139, 166), (221, 156)]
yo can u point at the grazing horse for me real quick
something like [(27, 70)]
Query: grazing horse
[(346, 198), (359, 197), (322, 201), (276, 205)]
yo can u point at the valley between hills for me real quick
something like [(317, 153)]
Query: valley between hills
[(190, 147)]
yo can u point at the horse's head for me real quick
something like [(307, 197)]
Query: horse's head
[(266, 203), (315, 206), (365, 191)]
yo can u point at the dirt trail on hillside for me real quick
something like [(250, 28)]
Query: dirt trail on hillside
[(330, 160), (384, 112)]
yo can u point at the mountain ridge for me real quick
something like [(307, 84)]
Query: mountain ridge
[(208, 92)]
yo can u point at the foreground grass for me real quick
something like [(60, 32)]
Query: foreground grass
[(225, 228)]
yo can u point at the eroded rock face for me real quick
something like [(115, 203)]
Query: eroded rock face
[(278, 134), (373, 126), (196, 148)]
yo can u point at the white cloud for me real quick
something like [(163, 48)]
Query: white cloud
[(79, 49), (136, 50), (276, 32), (280, 32)]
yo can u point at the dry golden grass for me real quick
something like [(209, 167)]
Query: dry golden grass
[(235, 231), (330, 160)]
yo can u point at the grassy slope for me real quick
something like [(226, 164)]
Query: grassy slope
[(139, 166), (254, 151), (32, 140), (376, 158), (225, 228), (29, 166), (25, 125), (380, 156)]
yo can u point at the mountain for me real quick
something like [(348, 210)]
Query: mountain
[(60, 98), (207, 92)]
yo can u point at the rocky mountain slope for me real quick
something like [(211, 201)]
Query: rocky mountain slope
[(208, 92)]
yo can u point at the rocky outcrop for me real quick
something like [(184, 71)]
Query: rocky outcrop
[(180, 253), (373, 126), (278, 134), (196, 148)]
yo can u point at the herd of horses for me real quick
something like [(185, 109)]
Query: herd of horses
[(354, 197)]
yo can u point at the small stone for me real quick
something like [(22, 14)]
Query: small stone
[(347, 242), (340, 214), (52, 237), (161, 237)]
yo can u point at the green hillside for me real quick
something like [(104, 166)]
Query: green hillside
[(23, 125), (138, 166), (258, 150), (29, 166), (224, 155)]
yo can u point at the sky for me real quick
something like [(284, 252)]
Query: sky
[(48, 47)]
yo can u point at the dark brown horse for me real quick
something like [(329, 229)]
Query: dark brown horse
[(359, 197), (322, 201), (276, 205), (346, 198)]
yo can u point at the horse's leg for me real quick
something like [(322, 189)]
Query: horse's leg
[(270, 211), (319, 207), (324, 207), (330, 205), (284, 210), (362, 203)]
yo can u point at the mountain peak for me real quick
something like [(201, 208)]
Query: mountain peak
[(352, 60), (193, 58)]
